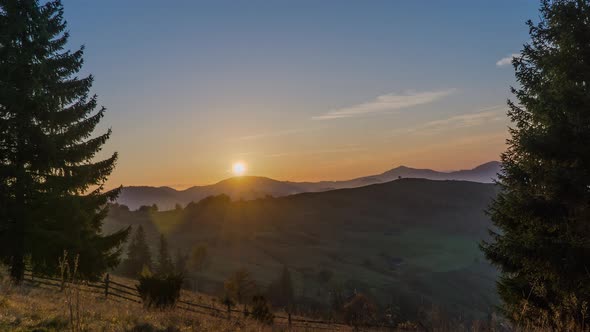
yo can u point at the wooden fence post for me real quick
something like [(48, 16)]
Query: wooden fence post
[(106, 286)]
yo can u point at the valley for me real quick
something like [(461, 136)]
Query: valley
[(408, 243)]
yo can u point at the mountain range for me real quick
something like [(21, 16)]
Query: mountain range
[(253, 187)]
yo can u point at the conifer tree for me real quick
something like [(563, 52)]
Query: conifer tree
[(199, 258), (197, 262), (180, 261), (165, 265), (240, 286), (51, 189), (542, 213), (286, 283), (280, 291), (138, 255)]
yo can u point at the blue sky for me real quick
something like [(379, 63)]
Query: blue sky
[(298, 90)]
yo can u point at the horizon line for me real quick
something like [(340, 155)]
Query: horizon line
[(183, 187)]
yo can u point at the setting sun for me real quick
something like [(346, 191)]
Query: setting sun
[(239, 168)]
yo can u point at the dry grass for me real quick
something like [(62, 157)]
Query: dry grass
[(33, 308), (26, 308)]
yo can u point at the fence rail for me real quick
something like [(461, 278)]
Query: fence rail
[(111, 289), (121, 285)]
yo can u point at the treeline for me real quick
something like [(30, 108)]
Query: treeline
[(139, 258), (318, 291), (350, 301)]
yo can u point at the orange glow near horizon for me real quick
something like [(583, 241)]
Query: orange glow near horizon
[(325, 152), (318, 165)]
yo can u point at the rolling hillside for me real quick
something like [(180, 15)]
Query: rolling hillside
[(251, 187), (411, 241)]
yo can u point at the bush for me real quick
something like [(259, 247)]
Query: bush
[(360, 310), (261, 310), (160, 291)]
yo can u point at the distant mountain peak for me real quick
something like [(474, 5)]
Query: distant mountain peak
[(252, 187), (489, 165)]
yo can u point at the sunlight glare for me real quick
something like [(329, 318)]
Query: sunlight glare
[(239, 168)]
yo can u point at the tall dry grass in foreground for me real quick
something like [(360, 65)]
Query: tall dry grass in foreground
[(26, 308), (33, 308)]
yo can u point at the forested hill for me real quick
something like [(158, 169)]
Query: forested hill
[(408, 239)]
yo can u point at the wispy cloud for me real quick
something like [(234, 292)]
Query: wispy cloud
[(335, 150), (481, 117), (386, 103), (505, 61), (275, 134)]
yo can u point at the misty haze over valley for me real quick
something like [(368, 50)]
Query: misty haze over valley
[(252, 187)]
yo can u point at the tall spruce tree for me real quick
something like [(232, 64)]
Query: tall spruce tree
[(138, 254), (180, 262), (165, 265), (281, 291), (542, 240), (51, 191)]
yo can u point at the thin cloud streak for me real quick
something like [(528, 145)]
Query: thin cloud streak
[(506, 60), (275, 134), (344, 149), (385, 103), (483, 116)]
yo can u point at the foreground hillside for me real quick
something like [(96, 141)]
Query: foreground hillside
[(34, 306), (30, 309), (409, 244)]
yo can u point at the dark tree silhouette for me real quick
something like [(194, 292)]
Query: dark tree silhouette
[(197, 262), (240, 286), (180, 262), (198, 258), (138, 255), (542, 214), (51, 190), (165, 265), (281, 291)]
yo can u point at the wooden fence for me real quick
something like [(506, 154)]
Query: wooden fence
[(114, 290)]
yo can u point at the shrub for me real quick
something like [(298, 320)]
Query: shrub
[(360, 310), (261, 310), (160, 291)]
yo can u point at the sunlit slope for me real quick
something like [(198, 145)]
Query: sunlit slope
[(410, 241), (241, 187)]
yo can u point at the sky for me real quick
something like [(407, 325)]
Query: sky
[(298, 90)]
